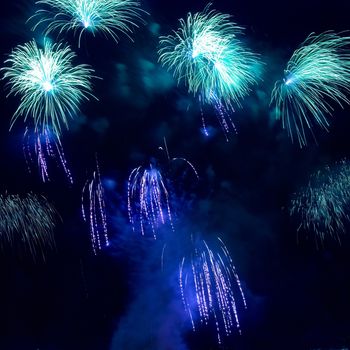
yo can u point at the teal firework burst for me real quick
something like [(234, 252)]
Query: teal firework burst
[(207, 56), (322, 206), (27, 223), (316, 79), (50, 86), (106, 16)]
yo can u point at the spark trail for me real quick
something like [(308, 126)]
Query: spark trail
[(94, 211), (208, 280), (148, 199), (45, 146)]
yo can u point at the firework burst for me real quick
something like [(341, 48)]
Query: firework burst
[(322, 206), (317, 78), (208, 280), (206, 55), (109, 17), (27, 222), (50, 87), (94, 211)]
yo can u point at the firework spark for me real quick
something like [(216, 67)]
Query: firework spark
[(205, 54), (322, 206), (317, 78), (109, 17), (207, 280), (45, 146), (148, 199), (28, 222), (223, 112), (51, 88), (177, 159), (94, 211)]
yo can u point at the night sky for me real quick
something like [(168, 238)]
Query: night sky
[(297, 291)]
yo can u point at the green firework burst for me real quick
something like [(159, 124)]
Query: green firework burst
[(106, 16), (50, 86), (207, 56), (27, 222), (317, 78), (322, 206)]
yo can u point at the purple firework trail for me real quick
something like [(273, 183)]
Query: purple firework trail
[(94, 211), (223, 112), (45, 145), (207, 280), (148, 199)]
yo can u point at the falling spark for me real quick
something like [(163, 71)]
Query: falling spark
[(94, 211), (176, 159), (45, 146), (148, 199), (207, 280)]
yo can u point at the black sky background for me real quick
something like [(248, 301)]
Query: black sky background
[(297, 294)]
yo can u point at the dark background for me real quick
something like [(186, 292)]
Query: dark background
[(297, 293)]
